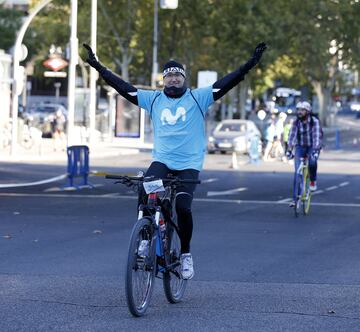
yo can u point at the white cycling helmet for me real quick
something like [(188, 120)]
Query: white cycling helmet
[(304, 105), (299, 104)]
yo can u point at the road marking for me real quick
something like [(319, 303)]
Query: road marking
[(285, 200), (202, 200), (68, 188), (27, 184), (317, 192), (226, 192), (64, 195), (209, 200), (111, 195), (331, 188), (343, 184), (209, 180)]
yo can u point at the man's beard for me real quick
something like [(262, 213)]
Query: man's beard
[(302, 117), (174, 92)]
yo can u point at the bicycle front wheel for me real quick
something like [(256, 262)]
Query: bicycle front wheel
[(306, 194), (141, 267), (298, 191), (174, 285)]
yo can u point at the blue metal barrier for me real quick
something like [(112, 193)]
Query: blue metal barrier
[(78, 164)]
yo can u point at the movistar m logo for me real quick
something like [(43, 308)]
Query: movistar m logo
[(167, 117)]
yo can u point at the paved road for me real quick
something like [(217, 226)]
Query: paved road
[(257, 267)]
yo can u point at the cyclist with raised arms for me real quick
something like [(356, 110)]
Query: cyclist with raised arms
[(177, 113), (305, 136)]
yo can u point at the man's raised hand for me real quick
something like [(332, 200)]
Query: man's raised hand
[(91, 59), (259, 50), (256, 56)]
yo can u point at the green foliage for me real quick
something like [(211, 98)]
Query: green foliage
[(287, 70), (350, 32), (207, 35), (49, 26), (184, 35), (10, 22)]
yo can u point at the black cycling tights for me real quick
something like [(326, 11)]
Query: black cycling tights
[(183, 201)]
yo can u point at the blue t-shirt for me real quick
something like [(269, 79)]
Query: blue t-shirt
[(179, 126)]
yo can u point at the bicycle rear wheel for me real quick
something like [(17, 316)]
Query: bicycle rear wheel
[(174, 285), (141, 268), (306, 197)]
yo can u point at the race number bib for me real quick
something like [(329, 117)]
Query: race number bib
[(153, 186)]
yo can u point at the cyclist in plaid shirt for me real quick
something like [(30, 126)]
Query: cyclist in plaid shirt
[(305, 136)]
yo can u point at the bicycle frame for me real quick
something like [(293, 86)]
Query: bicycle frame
[(301, 187), (162, 260)]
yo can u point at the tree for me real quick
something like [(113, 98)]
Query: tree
[(216, 35), (320, 39), (10, 23), (46, 29), (238, 26)]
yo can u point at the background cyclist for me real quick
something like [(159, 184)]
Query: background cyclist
[(305, 137), (177, 115)]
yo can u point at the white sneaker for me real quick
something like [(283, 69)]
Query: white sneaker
[(313, 186), (187, 266)]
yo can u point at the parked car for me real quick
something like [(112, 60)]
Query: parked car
[(233, 135), (355, 106), (41, 116)]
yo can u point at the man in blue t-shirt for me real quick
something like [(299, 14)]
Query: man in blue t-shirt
[(177, 115)]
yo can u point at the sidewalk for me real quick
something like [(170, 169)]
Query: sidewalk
[(45, 152)]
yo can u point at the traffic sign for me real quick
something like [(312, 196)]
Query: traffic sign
[(55, 63)]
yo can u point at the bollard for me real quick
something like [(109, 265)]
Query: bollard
[(78, 164), (337, 139), (234, 161)]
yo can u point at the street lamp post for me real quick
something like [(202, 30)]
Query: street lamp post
[(72, 72), (155, 66), (164, 4)]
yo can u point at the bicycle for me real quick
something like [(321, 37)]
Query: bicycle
[(27, 136), (301, 190), (154, 247)]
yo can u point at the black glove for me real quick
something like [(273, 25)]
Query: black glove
[(315, 154), (259, 50), (91, 59), (254, 60), (289, 155)]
